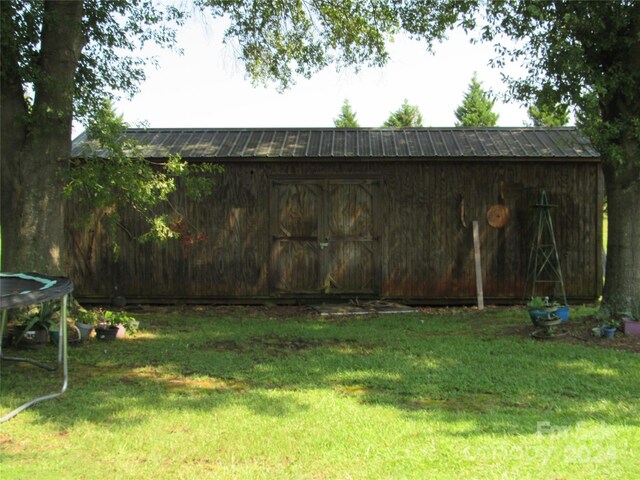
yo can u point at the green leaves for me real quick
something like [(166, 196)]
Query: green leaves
[(549, 115), (278, 40), (115, 174), (116, 32), (586, 52)]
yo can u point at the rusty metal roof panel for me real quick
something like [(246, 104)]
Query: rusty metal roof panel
[(379, 143)]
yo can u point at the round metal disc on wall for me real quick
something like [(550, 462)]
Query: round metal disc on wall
[(498, 216)]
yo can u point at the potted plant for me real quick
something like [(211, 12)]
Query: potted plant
[(610, 327), (115, 325), (73, 333), (542, 311), (32, 324), (85, 322)]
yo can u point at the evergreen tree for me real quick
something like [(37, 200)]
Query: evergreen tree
[(477, 107), (347, 117), (406, 116)]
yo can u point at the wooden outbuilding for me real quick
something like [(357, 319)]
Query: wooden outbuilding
[(323, 214)]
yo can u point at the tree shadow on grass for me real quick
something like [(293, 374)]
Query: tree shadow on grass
[(419, 367)]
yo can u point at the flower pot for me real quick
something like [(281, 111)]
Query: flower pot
[(73, 335), (35, 337), (539, 315), (609, 332), (632, 327), (121, 331), (106, 332), (110, 332), (85, 330)]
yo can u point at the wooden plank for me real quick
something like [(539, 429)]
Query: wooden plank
[(476, 252)]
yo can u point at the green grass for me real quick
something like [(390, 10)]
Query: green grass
[(237, 394)]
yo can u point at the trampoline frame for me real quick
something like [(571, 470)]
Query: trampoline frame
[(34, 298)]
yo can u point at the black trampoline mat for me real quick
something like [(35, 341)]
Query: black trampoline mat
[(21, 289)]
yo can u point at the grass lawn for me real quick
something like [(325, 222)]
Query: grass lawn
[(255, 393)]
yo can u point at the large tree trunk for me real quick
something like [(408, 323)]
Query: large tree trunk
[(622, 284), (37, 143), (620, 107)]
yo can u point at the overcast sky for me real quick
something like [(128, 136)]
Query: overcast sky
[(207, 87)]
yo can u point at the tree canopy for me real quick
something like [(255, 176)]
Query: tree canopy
[(477, 107), (406, 116)]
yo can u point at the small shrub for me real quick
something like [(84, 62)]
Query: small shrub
[(121, 318), (87, 316), (537, 302)]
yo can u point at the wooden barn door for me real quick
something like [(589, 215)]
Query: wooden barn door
[(324, 237), (296, 209)]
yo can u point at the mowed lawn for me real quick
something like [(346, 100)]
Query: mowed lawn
[(255, 393)]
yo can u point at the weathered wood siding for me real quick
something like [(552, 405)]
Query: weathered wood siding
[(409, 240), (430, 251)]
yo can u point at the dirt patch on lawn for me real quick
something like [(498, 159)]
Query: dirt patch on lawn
[(272, 311), (579, 331), (277, 346)]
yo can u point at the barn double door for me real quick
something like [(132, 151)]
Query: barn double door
[(325, 237)]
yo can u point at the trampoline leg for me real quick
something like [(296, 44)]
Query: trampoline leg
[(62, 360), (3, 325), (63, 343)]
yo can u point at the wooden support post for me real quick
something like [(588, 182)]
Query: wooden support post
[(476, 251)]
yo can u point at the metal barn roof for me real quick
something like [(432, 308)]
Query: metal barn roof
[(366, 143)]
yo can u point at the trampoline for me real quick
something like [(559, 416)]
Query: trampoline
[(23, 289)]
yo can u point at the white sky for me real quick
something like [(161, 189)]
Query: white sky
[(207, 87)]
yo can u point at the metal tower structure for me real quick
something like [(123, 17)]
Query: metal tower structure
[(544, 261)]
